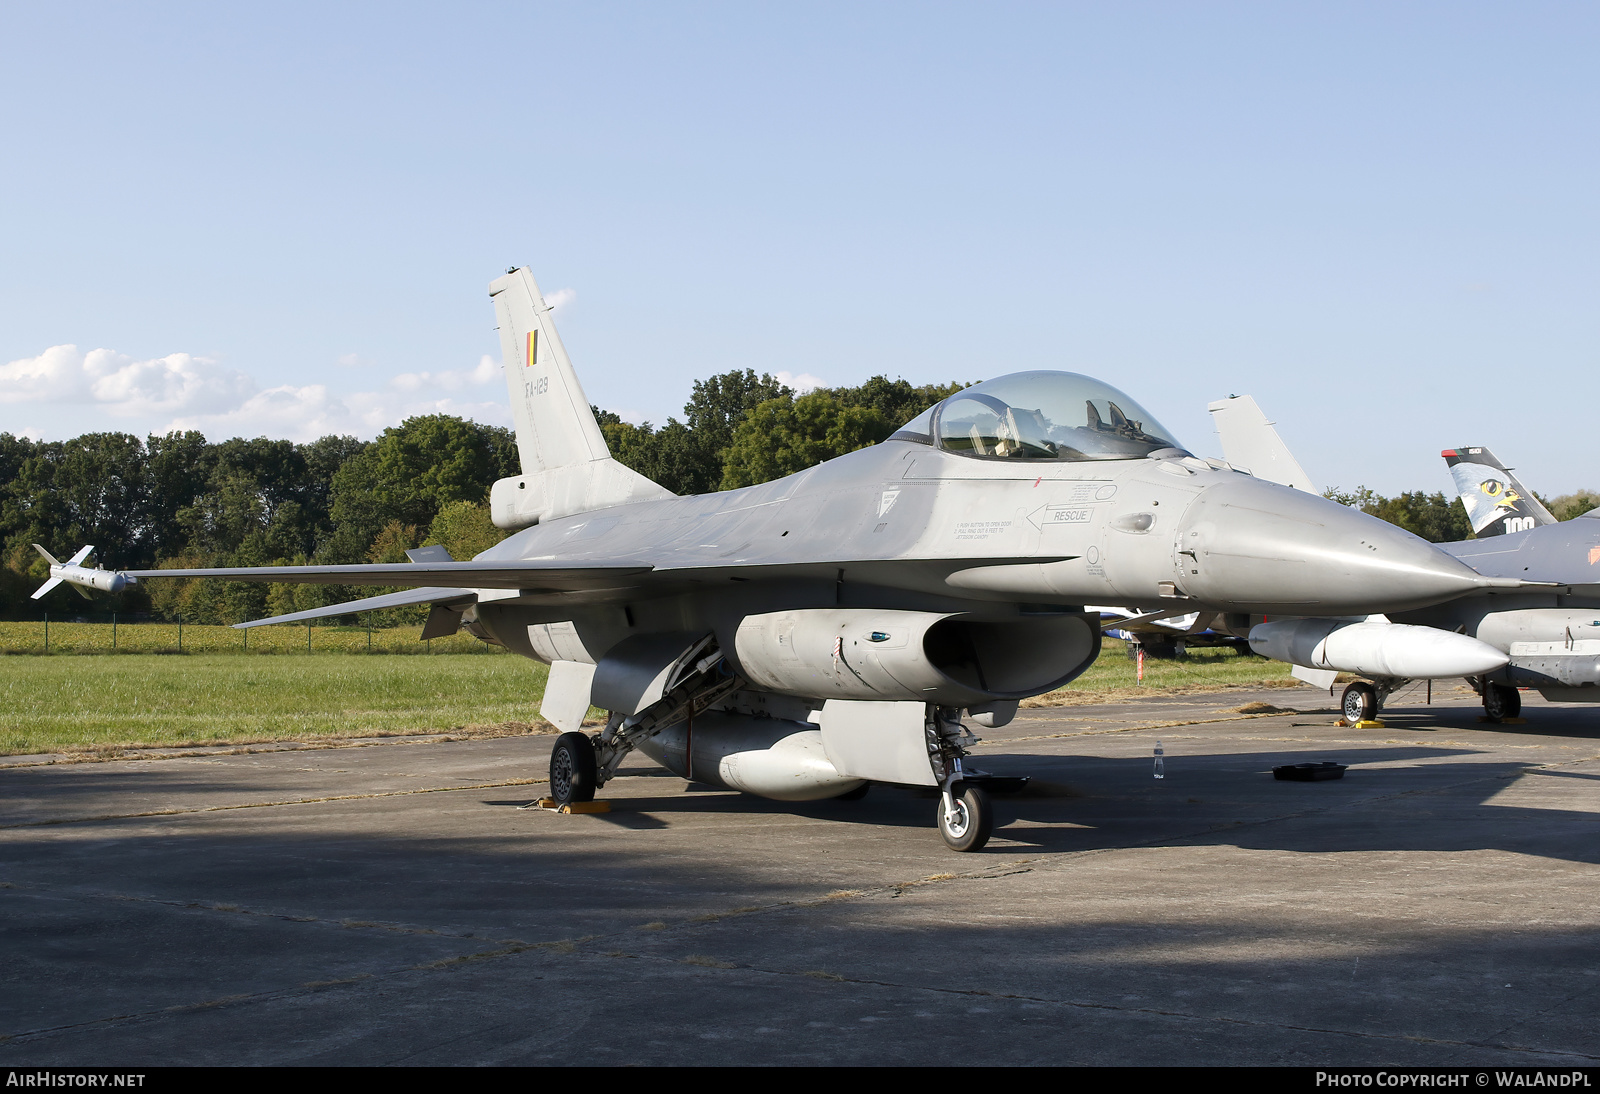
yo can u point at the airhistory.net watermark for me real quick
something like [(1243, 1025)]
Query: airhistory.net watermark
[(49, 1079)]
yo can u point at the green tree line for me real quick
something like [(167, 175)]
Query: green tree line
[(1440, 519), (178, 501)]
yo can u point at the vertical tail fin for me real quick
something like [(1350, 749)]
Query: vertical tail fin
[(1251, 444), (1496, 502), (566, 466)]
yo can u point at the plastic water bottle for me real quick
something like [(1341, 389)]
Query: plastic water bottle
[(1161, 763)]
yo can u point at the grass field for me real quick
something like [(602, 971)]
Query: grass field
[(1114, 676), (52, 704), (77, 702)]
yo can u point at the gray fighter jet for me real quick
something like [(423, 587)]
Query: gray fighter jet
[(805, 637), (1552, 638), (1546, 636)]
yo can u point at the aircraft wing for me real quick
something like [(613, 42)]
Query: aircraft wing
[(569, 580), (499, 574)]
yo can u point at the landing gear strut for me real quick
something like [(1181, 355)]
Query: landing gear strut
[(965, 817), (699, 679)]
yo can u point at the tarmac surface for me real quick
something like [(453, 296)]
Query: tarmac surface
[(391, 904)]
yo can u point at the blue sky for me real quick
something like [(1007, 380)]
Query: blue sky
[(1378, 219)]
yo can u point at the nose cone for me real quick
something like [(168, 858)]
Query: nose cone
[(1254, 546)]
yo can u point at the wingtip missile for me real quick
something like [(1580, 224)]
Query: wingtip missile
[(80, 577)]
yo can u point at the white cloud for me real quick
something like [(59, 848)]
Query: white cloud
[(306, 413), (181, 391), (124, 387), (56, 375), (561, 298), (802, 383), (355, 360), (488, 370)]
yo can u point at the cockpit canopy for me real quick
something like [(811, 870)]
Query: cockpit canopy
[(1041, 416)]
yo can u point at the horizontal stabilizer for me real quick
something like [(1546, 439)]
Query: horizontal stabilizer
[(370, 604), (1135, 622), (46, 587)]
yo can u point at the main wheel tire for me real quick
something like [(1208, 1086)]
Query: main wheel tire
[(853, 795), (573, 772), (1501, 702), (1359, 703), (969, 828)]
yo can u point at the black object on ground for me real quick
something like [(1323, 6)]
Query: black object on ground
[(1309, 773)]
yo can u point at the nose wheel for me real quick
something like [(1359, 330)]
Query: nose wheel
[(965, 818), (573, 774)]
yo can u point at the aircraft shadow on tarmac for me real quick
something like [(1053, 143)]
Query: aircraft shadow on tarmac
[(253, 899), (1075, 803), (1574, 722), (1434, 805), (1079, 803)]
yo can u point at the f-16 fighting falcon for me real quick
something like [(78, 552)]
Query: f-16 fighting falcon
[(805, 637)]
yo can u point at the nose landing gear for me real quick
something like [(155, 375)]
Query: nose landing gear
[(965, 817)]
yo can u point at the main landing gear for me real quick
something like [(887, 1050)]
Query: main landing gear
[(1363, 700), (1359, 703), (580, 764), (1501, 702), (574, 774)]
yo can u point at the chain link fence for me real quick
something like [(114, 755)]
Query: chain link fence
[(138, 632)]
